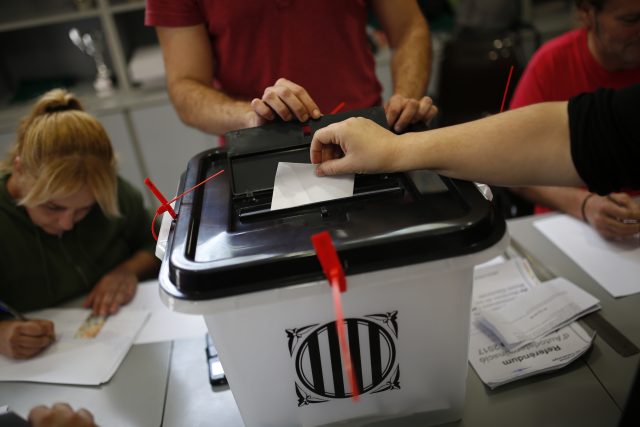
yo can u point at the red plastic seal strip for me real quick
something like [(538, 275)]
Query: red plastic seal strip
[(338, 107), (165, 206), (506, 89), (332, 268)]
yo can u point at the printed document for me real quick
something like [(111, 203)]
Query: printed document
[(493, 287), (535, 313), (77, 360)]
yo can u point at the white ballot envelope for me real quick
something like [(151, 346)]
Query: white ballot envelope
[(297, 184)]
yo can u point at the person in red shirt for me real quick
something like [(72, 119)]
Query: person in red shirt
[(603, 54), (236, 64)]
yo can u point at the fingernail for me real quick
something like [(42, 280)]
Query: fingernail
[(316, 113), (305, 117)]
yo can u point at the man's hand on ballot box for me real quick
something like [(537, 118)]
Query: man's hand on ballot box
[(285, 100), (288, 101), (402, 111)]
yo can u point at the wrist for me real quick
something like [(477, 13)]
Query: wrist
[(396, 161), (583, 206), (125, 269), (247, 118)]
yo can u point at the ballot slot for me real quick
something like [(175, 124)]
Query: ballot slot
[(253, 176), (257, 206)]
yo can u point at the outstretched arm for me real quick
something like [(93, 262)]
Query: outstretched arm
[(520, 147)]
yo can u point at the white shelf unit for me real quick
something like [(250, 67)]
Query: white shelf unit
[(36, 53)]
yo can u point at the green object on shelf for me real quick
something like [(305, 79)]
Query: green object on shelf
[(30, 89)]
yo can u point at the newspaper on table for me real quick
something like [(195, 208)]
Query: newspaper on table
[(535, 313), (493, 287)]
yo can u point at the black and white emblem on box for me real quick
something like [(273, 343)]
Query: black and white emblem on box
[(315, 351)]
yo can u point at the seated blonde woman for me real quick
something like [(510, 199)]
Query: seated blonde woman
[(69, 224)]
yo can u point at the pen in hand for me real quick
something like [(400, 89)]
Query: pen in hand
[(13, 312), (23, 338)]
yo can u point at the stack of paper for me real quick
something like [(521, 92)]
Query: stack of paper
[(536, 313), (495, 286), (77, 356)]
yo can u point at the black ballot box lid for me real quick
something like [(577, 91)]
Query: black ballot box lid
[(226, 240)]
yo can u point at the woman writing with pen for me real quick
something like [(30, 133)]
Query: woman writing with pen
[(69, 224)]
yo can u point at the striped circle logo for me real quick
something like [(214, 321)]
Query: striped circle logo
[(321, 376)]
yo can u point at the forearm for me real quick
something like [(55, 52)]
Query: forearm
[(408, 35), (206, 108), (190, 65), (142, 264), (564, 199), (527, 146), (411, 62)]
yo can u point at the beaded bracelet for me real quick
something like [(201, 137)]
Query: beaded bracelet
[(584, 206)]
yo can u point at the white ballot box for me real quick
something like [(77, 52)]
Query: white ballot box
[(407, 242)]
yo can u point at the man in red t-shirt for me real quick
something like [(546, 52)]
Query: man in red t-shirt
[(234, 64), (606, 53)]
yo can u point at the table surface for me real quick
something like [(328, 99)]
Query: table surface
[(166, 383), (135, 396)]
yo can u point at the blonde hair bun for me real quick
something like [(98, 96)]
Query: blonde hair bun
[(61, 148)]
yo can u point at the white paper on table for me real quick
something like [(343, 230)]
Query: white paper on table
[(539, 311), (495, 286), (297, 184), (164, 324), (77, 361), (493, 261), (613, 264)]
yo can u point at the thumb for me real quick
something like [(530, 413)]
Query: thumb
[(332, 167), (47, 326)]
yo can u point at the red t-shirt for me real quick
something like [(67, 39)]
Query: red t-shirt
[(320, 45), (562, 68)]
